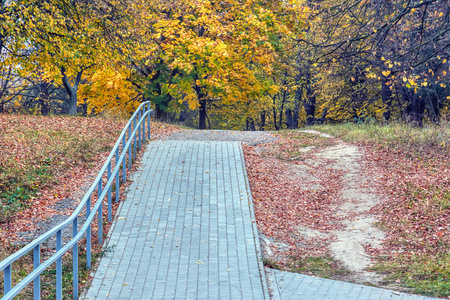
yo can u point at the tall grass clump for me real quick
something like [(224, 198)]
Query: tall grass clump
[(395, 134)]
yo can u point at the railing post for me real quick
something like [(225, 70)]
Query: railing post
[(75, 259), (88, 235), (7, 279), (100, 214), (117, 187), (37, 280), (124, 167), (58, 266), (134, 141), (130, 130), (100, 225), (143, 123), (148, 122), (130, 157), (109, 195), (139, 132)]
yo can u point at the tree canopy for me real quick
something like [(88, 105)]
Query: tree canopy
[(229, 64)]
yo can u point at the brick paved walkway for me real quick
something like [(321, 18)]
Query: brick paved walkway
[(187, 231), (292, 286)]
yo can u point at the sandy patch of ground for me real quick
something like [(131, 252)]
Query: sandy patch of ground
[(358, 225)]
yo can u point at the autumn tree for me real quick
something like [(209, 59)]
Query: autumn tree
[(401, 44), (60, 39)]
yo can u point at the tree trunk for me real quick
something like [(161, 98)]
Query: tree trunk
[(298, 101), (310, 103), (160, 113), (72, 91), (202, 114), (161, 105), (250, 124), (274, 111), (183, 115), (44, 97), (414, 108), (289, 119), (295, 117), (324, 115), (386, 95), (84, 107), (263, 121), (418, 106), (285, 96), (433, 106)]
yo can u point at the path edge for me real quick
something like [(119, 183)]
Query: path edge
[(83, 293), (262, 271)]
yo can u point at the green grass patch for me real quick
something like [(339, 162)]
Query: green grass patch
[(324, 267), (271, 263), (424, 274)]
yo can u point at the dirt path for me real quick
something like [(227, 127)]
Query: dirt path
[(357, 199), (331, 188), (349, 246)]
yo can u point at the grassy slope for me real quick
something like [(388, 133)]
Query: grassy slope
[(412, 168), (40, 156)]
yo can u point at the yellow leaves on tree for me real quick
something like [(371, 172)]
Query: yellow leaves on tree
[(110, 89)]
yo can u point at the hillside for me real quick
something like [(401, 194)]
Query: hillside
[(46, 162), (369, 205)]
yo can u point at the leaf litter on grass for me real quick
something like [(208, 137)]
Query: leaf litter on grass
[(45, 160), (412, 183), (294, 213), (415, 216)]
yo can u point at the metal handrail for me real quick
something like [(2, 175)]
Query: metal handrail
[(136, 136)]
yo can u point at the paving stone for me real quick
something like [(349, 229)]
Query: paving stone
[(180, 233), (287, 285)]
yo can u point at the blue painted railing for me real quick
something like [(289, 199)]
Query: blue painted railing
[(138, 129)]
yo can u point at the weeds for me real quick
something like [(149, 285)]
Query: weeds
[(402, 136), (422, 273), (325, 267)]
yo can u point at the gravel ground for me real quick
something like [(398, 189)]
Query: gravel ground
[(249, 137)]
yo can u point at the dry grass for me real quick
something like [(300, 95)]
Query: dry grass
[(44, 160), (406, 137)]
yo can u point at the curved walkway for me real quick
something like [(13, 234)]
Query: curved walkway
[(187, 231)]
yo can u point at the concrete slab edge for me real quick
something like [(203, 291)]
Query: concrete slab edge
[(255, 229)]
